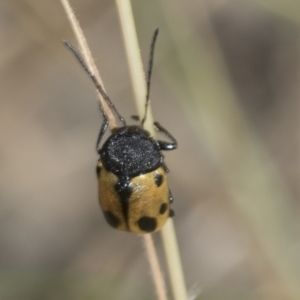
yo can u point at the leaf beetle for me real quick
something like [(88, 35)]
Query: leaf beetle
[(133, 189)]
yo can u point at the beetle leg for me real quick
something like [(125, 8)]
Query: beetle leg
[(166, 169), (98, 168), (172, 213), (135, 117), (163, 144), (171, 199)]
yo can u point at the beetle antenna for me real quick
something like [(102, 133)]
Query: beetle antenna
[(149, 73), (95, 81)]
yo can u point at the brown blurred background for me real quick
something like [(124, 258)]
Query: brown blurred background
[(225, 83)]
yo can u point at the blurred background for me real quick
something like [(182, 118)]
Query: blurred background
[(225, 84)]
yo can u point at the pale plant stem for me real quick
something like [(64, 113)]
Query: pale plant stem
[(136, 69), (155, 267), (139, 86), (173, 261), (87, 56)]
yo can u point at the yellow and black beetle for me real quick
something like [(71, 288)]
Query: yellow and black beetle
[(133, 190)]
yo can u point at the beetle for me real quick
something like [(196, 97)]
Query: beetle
[(132, 183)]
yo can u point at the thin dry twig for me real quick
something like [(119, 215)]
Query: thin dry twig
[(87, 56), (172, 254), (134, 61), (140, 90), (139, 84), (148, 242), (155, 267)]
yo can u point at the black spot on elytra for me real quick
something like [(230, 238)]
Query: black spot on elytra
[(147, 224), (163, 208), (112, 219), (158, 179)]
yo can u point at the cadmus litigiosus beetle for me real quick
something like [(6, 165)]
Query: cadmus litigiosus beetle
[(133, 189)]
